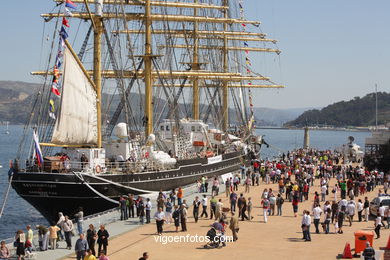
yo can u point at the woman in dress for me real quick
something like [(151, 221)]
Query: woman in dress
[(20, 239)]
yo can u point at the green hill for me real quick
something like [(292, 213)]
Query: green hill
[(355, 112)]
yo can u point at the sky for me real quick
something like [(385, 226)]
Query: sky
[(331, 50)]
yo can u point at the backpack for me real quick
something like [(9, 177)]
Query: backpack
[(281, 200)]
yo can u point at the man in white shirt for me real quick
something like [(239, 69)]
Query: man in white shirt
[(306, 221), (381, 212), (204, 206), (148, 208), (360, 209), (323, 191), (343, 202), (351, 211), (317, 211), (159, 216)]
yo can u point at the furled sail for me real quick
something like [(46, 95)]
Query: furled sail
[(77, 120)]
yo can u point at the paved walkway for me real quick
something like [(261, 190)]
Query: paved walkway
[(114, 226), (278, 239)]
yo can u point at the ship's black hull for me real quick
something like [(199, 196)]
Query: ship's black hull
[(51, 193)]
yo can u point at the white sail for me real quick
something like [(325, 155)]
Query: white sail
[(77, 119)]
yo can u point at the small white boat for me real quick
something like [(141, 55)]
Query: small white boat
[(6, 131)]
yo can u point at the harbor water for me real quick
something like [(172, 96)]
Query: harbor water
[(18, 213)]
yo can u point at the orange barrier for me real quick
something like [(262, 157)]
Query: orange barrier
[(361, 237)]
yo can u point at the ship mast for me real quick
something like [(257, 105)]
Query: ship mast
[(225, 93), (97, 68), (225, 76), (148, 117), (195, 66)]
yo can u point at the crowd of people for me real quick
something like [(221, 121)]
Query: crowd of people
[(296, 174), (63, 229)]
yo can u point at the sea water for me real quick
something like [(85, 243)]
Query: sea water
[(18, 213)]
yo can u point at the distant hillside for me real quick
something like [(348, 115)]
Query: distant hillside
[(16, 98), (276, 117), (15, 101), (355, 112)]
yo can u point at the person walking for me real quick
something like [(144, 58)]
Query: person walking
[(195, 212), (148, 208), (67, 227), (249, 207), (20, 239), (306, 222), (378, 224), (179, 196), (81, 247), (227, 187), (168, 211), (334, 207), (272, 203), (79, 220), (29, 239), (233, 201), (340, 219), (102, 238), (328, 218), (172, 196), (247, 185), (324, 189), (317, 211), (141, 210), (204, 206), (130, 205), (145, 256), (159, 216), (215, 187), (123, 207), (265, 204), (351, 211), (234, 226), (295, 202), (43, 234), (91, 238), (176, 217), (61, 219), (360, 210), (279, 204), (53, 229), (4, 251), (369, 252), (366, 208), (103, 256), (381, 211), (183, 217), (218, 210), (89, 255), (213, 207)]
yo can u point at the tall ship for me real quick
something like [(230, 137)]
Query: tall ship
[(157, 95)]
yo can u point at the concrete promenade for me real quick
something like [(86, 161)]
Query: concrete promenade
[(114, 225), (279, 238)]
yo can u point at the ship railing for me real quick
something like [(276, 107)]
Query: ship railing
[(96, 168)]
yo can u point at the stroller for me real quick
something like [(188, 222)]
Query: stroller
[(214, 238)]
